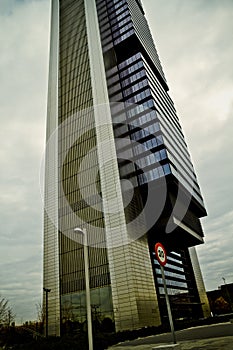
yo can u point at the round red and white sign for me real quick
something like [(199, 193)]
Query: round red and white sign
[(161, 254)]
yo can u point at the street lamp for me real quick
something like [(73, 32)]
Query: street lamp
[(47, 291), (88, 297)]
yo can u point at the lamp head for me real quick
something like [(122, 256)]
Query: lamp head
[(79, 230)]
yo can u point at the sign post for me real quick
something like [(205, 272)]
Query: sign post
[(161, 256)]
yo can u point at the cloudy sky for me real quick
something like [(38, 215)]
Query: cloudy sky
[(194, 40)]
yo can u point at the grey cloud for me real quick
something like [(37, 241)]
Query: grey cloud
[(23, 63), (21, 283)]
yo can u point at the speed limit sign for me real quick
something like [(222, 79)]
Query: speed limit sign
[(161, 254)]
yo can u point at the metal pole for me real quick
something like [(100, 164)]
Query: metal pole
[(46, 296), (88, 296), (168, 305)]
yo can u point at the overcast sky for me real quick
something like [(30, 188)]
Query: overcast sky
[(194, 40)]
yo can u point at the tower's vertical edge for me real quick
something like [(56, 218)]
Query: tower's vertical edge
[(199, 281), (51, 239)]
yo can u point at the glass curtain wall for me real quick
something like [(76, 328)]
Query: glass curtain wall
[(75, 113)]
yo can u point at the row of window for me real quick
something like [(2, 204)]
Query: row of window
[(172, 291), (116, 7), (149, 130), (131, 69), (149, 144), (121, 24), (143, 119), (112, 14), (171, 283), (148, 160), (101, 3), (124, 36), (137, 109), (134, 88), (176, 267), (152, 129), (129, 60), (137, 98), (170, 274), (151, 159), (131, 79), (122, 30), (177, 259), (120, 17), (115, 14), (154, 174)]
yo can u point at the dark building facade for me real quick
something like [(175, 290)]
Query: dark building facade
[(118, 164), (221, 299)]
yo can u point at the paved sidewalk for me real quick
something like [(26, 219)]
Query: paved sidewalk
[(221, 343)]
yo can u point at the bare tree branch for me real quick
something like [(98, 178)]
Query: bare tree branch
[(7, 315), (40, 312)]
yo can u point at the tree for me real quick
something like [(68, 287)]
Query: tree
[(221, 305), (7, 315), (40, 317), (40, 312), (10, 317), (3, 309)]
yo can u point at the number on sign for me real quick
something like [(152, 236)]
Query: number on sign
[(161, 254)]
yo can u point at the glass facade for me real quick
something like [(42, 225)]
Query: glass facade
[(125, 282), (73, 310), (75, 95), (135, 78)]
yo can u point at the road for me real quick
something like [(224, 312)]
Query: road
[(195, 333)]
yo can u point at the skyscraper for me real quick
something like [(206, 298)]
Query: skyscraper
[(118, 165)]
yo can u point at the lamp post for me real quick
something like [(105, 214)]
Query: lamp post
[(47, 291), (88, 297)]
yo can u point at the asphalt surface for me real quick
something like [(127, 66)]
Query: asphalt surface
[(213, 337)]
